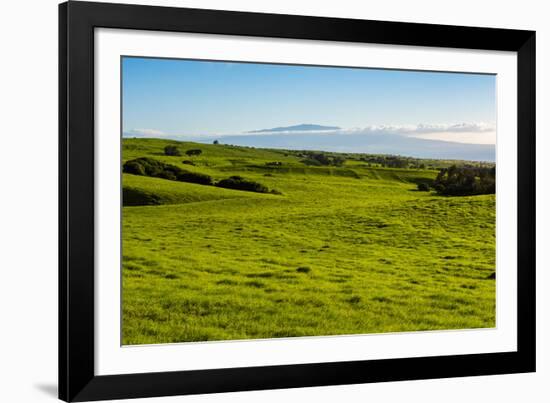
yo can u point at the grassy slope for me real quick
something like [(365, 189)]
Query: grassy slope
[(343, 250)]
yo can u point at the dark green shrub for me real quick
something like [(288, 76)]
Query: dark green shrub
[(167, 175), (157, 169), (338, 161), (188, 162), (322, 158), (134, 168), (171, 151), (423, 187), (239, 183), (136, 197), (149, 166), (172, 169), (193, 152), (194, 177), (311, 162)]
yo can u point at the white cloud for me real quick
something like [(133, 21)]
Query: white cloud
[(460, 137), (456, 128), (427, 128), (469, 133)]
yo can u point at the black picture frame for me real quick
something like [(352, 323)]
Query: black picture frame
[(77, 379)]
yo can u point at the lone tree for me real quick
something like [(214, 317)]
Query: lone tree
[(215, 142), (172, 151), (193, 152)]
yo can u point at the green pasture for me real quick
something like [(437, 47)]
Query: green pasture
[(343, 250)]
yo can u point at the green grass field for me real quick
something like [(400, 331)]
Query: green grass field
[(343, 250)]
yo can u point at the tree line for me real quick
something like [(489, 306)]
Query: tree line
[(322, 159)]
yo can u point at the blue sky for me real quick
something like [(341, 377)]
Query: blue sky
[(170, 98)]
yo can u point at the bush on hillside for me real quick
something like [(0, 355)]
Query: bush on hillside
[(171, 151), (193, 152), (174, 170), (143, 166), (134, 168), (167, 175), (157, 169), (311, 162), (338, 161), (423, 187), (239, 183), (136, 197), (465, 181), (317, 159), (323, 159), (194, 177)]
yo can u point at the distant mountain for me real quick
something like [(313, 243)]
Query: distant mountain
[(297, 128)]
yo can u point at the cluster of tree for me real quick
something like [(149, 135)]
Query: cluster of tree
[(174, 151), (465, 181), (393, 161), (274, 164), (150, 167), (322, 159)]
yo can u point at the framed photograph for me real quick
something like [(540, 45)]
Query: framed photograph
[(257, 201)]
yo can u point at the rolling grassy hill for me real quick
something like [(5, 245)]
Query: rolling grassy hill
[(342, 250)]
